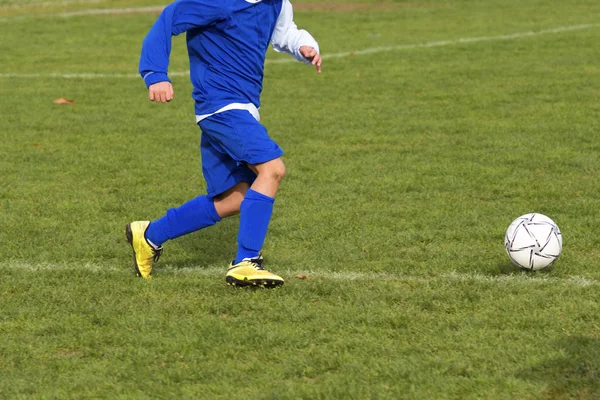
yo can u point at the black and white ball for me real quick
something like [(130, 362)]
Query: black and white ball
[(533, 241)]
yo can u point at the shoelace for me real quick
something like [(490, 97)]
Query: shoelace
[(156, 253), (256, 263)]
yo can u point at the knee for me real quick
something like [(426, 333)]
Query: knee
[(275, 170), (279, 172)]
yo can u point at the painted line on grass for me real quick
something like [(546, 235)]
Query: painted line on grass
[(79, 13), (373, 50), (113, 11), (476, 39), (517, 279), (84, 75), (45, 4)]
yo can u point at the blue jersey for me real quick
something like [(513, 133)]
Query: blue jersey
[(227, 42)]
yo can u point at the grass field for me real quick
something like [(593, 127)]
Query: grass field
[(433, 126)]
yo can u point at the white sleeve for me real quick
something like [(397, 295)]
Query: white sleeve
[(287, 38)]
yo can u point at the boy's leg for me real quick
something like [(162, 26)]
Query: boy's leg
[(190, 217), (226, 186), (147, 238), (196, 214), (236, 136), (257, 208), (255, 215), (228, 203)]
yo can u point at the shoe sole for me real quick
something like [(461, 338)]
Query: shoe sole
[(265, 283), (129, 236)]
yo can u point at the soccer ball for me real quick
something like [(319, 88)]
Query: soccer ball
[(533, 241)]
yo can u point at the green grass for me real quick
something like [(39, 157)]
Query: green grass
[(405, 168)]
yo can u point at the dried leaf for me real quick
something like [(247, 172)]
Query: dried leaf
[(300, 276), (62, 100)]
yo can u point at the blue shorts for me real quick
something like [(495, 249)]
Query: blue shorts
[(230, 140)]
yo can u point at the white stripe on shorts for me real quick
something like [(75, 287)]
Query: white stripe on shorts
[(251, 108)]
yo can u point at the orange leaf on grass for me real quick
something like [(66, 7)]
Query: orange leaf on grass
[(300, 276), (62, 100)]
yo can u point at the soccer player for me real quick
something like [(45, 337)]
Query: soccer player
[(227, 42)]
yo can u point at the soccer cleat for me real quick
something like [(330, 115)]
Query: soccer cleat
[(144, 255), (250, 272)]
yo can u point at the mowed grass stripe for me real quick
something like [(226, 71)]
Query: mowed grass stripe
[(509, 279), (374, 50)]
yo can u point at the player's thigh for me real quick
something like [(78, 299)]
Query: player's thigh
[(221, 171)]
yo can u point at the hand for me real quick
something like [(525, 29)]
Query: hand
[(161, 92), (313, 56)]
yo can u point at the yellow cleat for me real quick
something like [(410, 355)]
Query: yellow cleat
[(144, 255), (250, 272)]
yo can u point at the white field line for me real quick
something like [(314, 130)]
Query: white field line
[(114, 11), (45, 4), (516, 279), (84, 75), (79, 13), (476, 39), (373, 50)]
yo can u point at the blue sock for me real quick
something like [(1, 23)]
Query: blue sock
[(255, 215), (194, 215)]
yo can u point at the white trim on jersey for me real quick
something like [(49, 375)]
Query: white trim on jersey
[(287, 38), (251, 108)]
